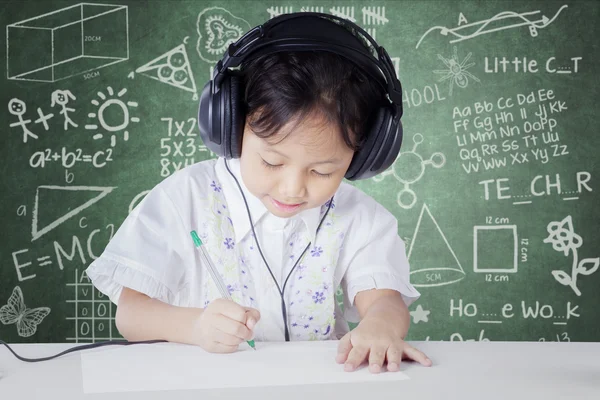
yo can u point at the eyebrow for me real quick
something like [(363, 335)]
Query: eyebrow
[(329, 161)]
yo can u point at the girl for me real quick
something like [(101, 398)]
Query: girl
[(278, 222)]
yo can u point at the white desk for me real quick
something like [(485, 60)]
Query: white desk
[(462, 370)]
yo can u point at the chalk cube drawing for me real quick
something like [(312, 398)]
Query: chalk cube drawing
[(67, 42), (495, 248)]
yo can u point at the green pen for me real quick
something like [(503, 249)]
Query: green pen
[(213, 272)]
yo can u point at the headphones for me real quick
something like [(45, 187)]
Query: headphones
[(221, 115)]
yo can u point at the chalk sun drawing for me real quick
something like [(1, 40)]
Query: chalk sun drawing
[(105, 105)]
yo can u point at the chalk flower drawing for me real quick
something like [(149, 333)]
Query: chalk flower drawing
[(563, 238)]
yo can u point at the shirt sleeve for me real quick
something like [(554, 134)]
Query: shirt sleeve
[(380, 263), (146, 253)]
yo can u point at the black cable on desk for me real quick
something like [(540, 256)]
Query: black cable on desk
[(77, 348)]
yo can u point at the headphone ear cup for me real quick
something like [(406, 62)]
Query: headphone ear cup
[(360, 160), (209, 119), (237, 116), (381, 149)]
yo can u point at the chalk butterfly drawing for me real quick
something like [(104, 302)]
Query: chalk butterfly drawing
[(26, 319)]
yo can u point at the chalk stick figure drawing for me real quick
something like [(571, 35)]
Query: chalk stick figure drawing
[(563, 238), (61, 97), (17, 107), (457, 71), (26, 319)]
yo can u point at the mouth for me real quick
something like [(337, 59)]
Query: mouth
[(285, 207)]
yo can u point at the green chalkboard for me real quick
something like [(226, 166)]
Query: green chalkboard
[(495, 190)]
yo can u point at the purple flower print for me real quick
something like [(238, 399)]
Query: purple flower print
[(229, 243), (332, 201), (295, 324), (306, 326), (319, 297), (216, 187), (230, 289), (316, 251), (327, 330)]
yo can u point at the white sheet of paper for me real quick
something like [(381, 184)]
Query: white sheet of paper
[(172, 366)]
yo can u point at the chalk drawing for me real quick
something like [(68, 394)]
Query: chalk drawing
[(457, 71), (408, 168), (137, 199), (73, 42), (420, 314), (217, 28), (61, 97), (564, 239), (508, 243), (26, 319), (433, 268), (36, 233), (94, 312), (17, 107), (479, 27), (172, 68), (105, 103), (346, 12)]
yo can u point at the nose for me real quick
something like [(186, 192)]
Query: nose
[(292, 186)]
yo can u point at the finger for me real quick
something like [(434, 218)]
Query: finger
[(226, 338), (344, 347), (232, 310), (417, 355), (217, 347), (234, 328), (394, 356), (252, 317), (376, 358), (356, 356)]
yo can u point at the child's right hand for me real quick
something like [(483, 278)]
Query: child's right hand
[(223, 325)]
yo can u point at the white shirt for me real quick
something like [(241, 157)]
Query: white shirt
[(357, 247)]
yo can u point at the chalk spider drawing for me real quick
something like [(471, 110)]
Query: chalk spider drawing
[(457, 71)]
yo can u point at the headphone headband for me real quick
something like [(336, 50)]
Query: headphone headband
[(257, 42), (221, 112)]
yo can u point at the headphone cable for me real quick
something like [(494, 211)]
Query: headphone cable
[(281, 291)]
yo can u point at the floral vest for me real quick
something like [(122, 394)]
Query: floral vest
[(310, 295)]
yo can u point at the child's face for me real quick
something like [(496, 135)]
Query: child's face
[(308, 166)]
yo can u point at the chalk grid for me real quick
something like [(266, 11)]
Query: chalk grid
[(93, 319)]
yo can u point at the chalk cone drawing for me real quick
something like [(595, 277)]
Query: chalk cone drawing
[(217, 28), (97, 192), (26, 319), (408, 168), (172, 68), (433, 262), (457, 71), (67, 42), (107, 103), (564, 239), (510, 18)]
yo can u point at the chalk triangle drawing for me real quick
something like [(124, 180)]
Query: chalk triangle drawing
[(97, 192), (433, 262), (172, 68)]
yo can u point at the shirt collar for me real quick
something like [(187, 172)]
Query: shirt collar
[(237, 208)]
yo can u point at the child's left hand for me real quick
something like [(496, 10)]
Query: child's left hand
[(379, 341)]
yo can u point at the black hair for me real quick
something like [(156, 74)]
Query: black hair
[(286, 85)]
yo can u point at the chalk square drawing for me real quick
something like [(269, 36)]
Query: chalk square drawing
[(494, 243), (67, 42)]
